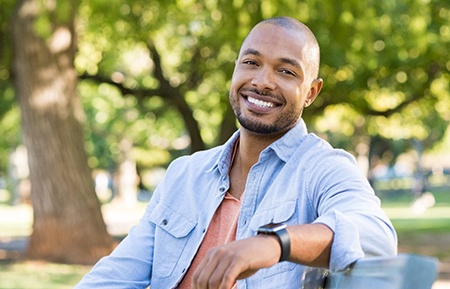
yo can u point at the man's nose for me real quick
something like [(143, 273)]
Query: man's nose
[(264, 79)]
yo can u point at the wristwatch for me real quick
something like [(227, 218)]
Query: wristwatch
[(280, 231)]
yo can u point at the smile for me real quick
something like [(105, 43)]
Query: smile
[(260, 103)]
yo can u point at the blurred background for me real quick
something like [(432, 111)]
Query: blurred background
[(98, 97)]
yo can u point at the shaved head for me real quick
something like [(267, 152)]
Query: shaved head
[(312, 46)]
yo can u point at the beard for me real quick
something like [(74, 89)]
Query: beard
[(282, 123)]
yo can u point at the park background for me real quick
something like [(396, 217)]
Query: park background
[(97, 97)]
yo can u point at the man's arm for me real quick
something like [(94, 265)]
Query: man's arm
[(311, 244), (223, 265)]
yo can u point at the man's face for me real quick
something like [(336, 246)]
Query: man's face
[(271, 82)]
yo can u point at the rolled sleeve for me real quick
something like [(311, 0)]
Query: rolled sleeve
[(346, 247), (345, 202)]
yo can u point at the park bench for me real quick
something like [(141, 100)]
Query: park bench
[(405, 271)]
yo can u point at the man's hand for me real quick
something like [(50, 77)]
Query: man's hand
[(223, 265)]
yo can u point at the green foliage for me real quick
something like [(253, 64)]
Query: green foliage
[(59, 12), (9, 114), (385, 66), (115, 118), (379, 60), (10, 135)]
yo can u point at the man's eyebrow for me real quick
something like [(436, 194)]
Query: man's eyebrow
[(251, 51), (290, 61)]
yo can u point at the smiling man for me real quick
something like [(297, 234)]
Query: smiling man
[(275, 78), (273, 199)]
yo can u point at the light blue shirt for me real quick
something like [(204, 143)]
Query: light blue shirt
[(298, 179)]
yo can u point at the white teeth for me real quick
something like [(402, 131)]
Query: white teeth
[(259, 103)]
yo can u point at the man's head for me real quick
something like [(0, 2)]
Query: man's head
[(275, 76), (313, 46)]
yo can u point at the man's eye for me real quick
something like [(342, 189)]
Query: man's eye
[(287, 71), (249, 62)]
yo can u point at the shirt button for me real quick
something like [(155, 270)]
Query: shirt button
[(204, 230), (222, 189), (184, 270), (165, 222)]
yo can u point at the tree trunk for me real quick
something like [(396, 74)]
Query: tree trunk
[(68, 225)]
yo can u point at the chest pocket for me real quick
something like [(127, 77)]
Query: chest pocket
[(275, 213), (172, 228), (286, 213)]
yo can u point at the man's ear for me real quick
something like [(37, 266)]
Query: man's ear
[(316, 86)]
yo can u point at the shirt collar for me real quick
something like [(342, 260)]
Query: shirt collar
[(283, 147), (287, 144), (222, 163)]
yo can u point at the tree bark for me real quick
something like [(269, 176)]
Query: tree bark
[(68, 225)]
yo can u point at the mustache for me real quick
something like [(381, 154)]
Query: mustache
[(257, 91), (261, 92), (265, 93)]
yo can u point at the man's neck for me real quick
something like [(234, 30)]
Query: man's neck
[(247, 154), (250, 147)]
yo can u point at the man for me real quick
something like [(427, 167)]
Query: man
[(274, 199)]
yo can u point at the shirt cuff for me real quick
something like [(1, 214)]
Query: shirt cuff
[(346, 247)]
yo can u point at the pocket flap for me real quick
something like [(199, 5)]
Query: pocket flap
[(172, 221), (276, 213)]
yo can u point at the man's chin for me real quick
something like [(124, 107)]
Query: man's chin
[(259, 128)]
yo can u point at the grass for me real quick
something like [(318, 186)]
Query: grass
[(16, 221), (435, 219), (39, 275), (425, 232), (422, 233)]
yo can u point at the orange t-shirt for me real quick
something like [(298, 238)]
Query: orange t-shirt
[(222, 230)]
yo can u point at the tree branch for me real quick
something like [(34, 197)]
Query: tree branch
[(172, 94)]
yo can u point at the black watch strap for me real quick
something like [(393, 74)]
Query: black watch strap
[(283, 236), (285, 242)]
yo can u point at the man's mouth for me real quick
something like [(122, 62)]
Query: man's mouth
[(260, 103)]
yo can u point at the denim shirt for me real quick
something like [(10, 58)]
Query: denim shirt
[(298, 179)]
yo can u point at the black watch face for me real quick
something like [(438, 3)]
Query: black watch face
[(271, 226)]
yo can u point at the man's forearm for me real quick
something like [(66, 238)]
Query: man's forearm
[(311, 244)]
